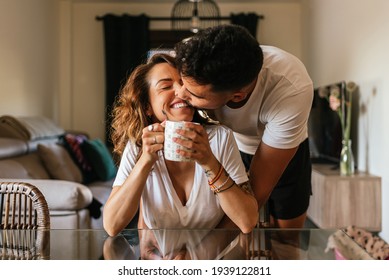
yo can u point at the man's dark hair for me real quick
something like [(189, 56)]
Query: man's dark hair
[(227, 57)]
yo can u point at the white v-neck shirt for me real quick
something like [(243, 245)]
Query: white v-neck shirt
[(162, 207)]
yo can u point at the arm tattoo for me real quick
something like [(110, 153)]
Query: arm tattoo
[(208, 173), (247, 188)]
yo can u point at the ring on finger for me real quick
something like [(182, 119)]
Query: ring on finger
[(150, 127)]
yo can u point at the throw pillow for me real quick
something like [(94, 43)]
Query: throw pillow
[(58, 163), (100, 158), (72, 143)]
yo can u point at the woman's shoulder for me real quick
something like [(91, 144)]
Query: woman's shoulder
[(131, 149), (130, 145), (217, 130)]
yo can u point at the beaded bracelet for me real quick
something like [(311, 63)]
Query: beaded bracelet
[(217, 177), (222, 190), (216, 189)]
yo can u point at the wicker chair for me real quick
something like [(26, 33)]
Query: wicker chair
[(24, 222), (23, 206)]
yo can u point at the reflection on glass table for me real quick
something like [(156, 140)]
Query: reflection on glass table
[(217, 244), (24, 244)]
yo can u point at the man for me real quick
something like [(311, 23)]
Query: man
[(264, 95)]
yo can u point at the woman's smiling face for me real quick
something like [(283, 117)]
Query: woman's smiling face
[(165, 82)]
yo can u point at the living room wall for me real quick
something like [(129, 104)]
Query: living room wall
[(347, 40), (82, 50), (52, 52), (29, 57)]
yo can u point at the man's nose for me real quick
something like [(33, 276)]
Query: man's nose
[(180, 92)]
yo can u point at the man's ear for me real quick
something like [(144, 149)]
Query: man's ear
[(238, 96)]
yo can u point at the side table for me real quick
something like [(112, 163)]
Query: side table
[(340, 201)]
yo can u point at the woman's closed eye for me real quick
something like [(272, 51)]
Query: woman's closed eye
[(165, 86)]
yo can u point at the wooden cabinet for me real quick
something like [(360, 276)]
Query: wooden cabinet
[(339, 201)]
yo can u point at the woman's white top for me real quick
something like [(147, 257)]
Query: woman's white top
[(162, 207)]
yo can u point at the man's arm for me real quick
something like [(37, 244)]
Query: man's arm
[(266, 169)]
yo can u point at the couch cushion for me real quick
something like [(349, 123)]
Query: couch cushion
[(60, 195), (72, 143), (12, 169), (29, 128), (58, 163), (31, 163), (33, 145), (10, 147), (100, 159)]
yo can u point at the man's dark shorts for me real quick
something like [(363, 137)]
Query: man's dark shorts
[(290, 197)]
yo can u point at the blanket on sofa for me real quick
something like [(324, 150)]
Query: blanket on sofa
[(28, 128)]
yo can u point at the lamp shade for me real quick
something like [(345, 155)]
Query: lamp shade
[(194, 15)]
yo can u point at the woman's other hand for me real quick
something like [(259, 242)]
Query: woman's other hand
[(153, 139)]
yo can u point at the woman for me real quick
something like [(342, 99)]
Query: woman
[(171, 194)]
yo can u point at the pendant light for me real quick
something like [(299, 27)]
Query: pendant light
[(194, 15)]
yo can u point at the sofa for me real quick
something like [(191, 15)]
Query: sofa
[(37, 151)]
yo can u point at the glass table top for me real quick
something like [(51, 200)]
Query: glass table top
[(199, 244)]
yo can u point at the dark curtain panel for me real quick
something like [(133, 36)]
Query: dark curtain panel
[(126, 40), (250, 21)]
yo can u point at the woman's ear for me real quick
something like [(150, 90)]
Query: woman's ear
[(149, 111)]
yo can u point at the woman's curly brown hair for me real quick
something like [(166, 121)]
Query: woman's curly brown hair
[(129, 113)]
